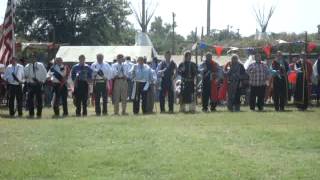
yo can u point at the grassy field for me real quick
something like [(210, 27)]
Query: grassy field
[(220, 145)]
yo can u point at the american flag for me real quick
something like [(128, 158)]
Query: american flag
[(7, 40)]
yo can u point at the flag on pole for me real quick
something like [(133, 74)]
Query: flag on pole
[(219, 50), (267, 50), (7, 39)]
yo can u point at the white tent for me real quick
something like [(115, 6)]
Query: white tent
[(280, 41), (142, 39), (249, 61), (71, 53)]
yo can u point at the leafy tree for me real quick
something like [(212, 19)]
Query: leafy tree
[(88, 22), (191, 37), (161, 36)]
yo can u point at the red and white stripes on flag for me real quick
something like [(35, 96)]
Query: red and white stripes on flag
[(7, 41)]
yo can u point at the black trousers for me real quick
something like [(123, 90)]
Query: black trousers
[(81, 95), (35, 90), (100, 90), (166, 87), (279, 93), (140, 94), (187, 92), (290, 92), (318, 91), (234, 95), (15, 93), (61, 97), (301, 95), (257, 92), (150, 98), (206, 96), (130, 86)]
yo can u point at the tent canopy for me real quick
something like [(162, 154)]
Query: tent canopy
[(71, 53), (142, 39)]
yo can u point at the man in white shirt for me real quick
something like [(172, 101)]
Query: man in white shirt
[(58, 75), (36, 75), (101, 72), (14, 76), (120, 86)]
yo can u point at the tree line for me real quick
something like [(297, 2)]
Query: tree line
[(104, 22)]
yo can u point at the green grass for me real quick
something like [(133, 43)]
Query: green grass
[(221, 145)]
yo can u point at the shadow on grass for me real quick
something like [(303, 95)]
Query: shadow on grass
[(16, 118), (6, 116), (47, 116)]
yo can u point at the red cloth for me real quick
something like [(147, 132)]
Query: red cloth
[(110, 87), (309, 67), (311, 47), (68, 70), (219, 50), (214, 90), (267, 50), (223, 90), (292, 77)]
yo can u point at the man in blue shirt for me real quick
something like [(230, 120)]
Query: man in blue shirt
[(142, 76), (81, 75)]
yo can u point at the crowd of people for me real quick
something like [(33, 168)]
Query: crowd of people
[(143, 83)]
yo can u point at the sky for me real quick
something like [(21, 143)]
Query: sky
[(290, 15)]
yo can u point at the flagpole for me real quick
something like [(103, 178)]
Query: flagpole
[(13, 10)]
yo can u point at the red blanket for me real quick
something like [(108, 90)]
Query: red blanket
[(223, 90)]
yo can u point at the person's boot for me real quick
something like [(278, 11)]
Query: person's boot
[(236, 108), (182, 108)]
